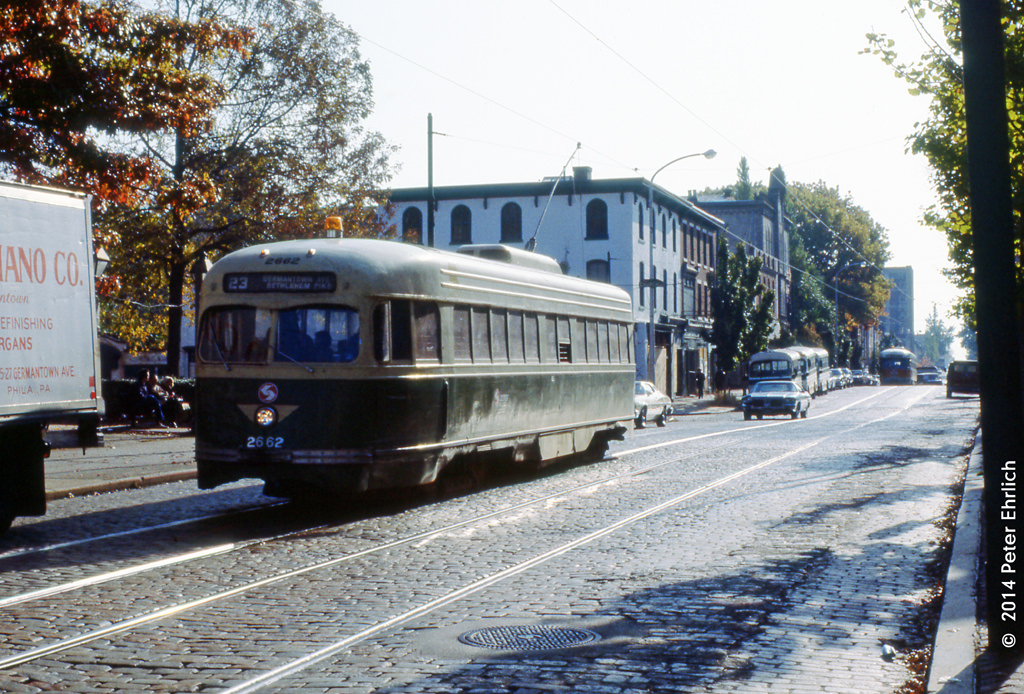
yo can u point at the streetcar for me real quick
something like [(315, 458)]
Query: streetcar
[(897, 366), (356, 364)]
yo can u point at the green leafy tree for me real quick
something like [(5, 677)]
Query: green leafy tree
[(74, 75), (741, 307), (811, 309), (937, 338), (744, 189), (845, 247), (937, 75), (286, 149), (969, 339)]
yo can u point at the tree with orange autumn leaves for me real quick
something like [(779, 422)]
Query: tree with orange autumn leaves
[(74, 73), (249, 131)]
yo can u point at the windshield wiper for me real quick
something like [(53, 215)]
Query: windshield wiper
[(295, 361)]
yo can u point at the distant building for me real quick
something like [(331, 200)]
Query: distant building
[(898, 319), (603, 230), (762, 226)]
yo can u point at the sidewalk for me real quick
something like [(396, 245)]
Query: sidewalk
[(689, 405), (961, 662), (129, 459)]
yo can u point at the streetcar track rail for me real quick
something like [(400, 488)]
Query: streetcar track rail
[(172, 610), (203, 552)]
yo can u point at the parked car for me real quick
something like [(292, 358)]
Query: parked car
[(929, 375), (847, 377), (776, 397), (649, 403), (962, 377), (863, 378), (835, 379)]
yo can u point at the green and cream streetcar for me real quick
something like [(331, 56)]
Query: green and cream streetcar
[(355, 364)]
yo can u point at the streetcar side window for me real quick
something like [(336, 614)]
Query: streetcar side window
[(593, 354), (326, 334), (392, 331), (602, 342), (499, 336), (549, 340), (401, 331), (531, 337), (613, 345), (235, 335), (516, 349), (428, 331), (460, 333), (481, 335)]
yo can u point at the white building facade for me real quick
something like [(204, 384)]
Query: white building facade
[(603, 230)]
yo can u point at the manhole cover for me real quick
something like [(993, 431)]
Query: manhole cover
[(527, 638)]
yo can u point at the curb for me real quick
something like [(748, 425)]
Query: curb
[(122, 484), (953, 659)]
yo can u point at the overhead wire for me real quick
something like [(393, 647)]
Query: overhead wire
[(693, 113), (839, 238)]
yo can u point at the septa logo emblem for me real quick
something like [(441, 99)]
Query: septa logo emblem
[(267, 393)]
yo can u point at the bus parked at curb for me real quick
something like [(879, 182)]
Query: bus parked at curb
[(804, 365)]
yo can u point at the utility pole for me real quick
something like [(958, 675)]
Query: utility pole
[(430, 180), (997, 309)]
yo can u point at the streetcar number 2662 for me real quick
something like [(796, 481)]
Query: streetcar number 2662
[(264, 442)]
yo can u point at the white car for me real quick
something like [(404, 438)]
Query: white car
[(649, 403), (776, 397)]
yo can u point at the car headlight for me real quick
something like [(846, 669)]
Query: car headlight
[(265, 417)]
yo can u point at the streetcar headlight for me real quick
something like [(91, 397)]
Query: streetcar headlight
[(265, 416)]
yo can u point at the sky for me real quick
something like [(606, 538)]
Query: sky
[(515, 86)]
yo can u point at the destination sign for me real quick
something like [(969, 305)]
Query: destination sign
[(285, 282)]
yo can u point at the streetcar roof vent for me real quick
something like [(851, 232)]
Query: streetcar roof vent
[(513, 256)]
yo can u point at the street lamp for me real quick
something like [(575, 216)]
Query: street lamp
[(654, 282)]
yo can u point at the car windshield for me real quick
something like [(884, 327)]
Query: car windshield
[(768, 387)]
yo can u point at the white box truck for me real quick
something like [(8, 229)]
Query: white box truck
[(49, 351)]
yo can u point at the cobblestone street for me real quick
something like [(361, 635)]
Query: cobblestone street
[(712, 555)]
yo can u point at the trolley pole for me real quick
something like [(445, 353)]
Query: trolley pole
[(430, 180), (999, 319)]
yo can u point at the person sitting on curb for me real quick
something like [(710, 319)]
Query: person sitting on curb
[(148, 403), (175, 406)]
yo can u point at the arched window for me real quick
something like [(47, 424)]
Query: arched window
[(641, 221), (597, 220), (412, 225), (462, 222), (511, 223), (598, 270)]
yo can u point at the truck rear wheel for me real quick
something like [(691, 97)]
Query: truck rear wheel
[(22, 451)]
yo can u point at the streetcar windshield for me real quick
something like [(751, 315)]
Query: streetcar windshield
[(317, 334), (235, 335)]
